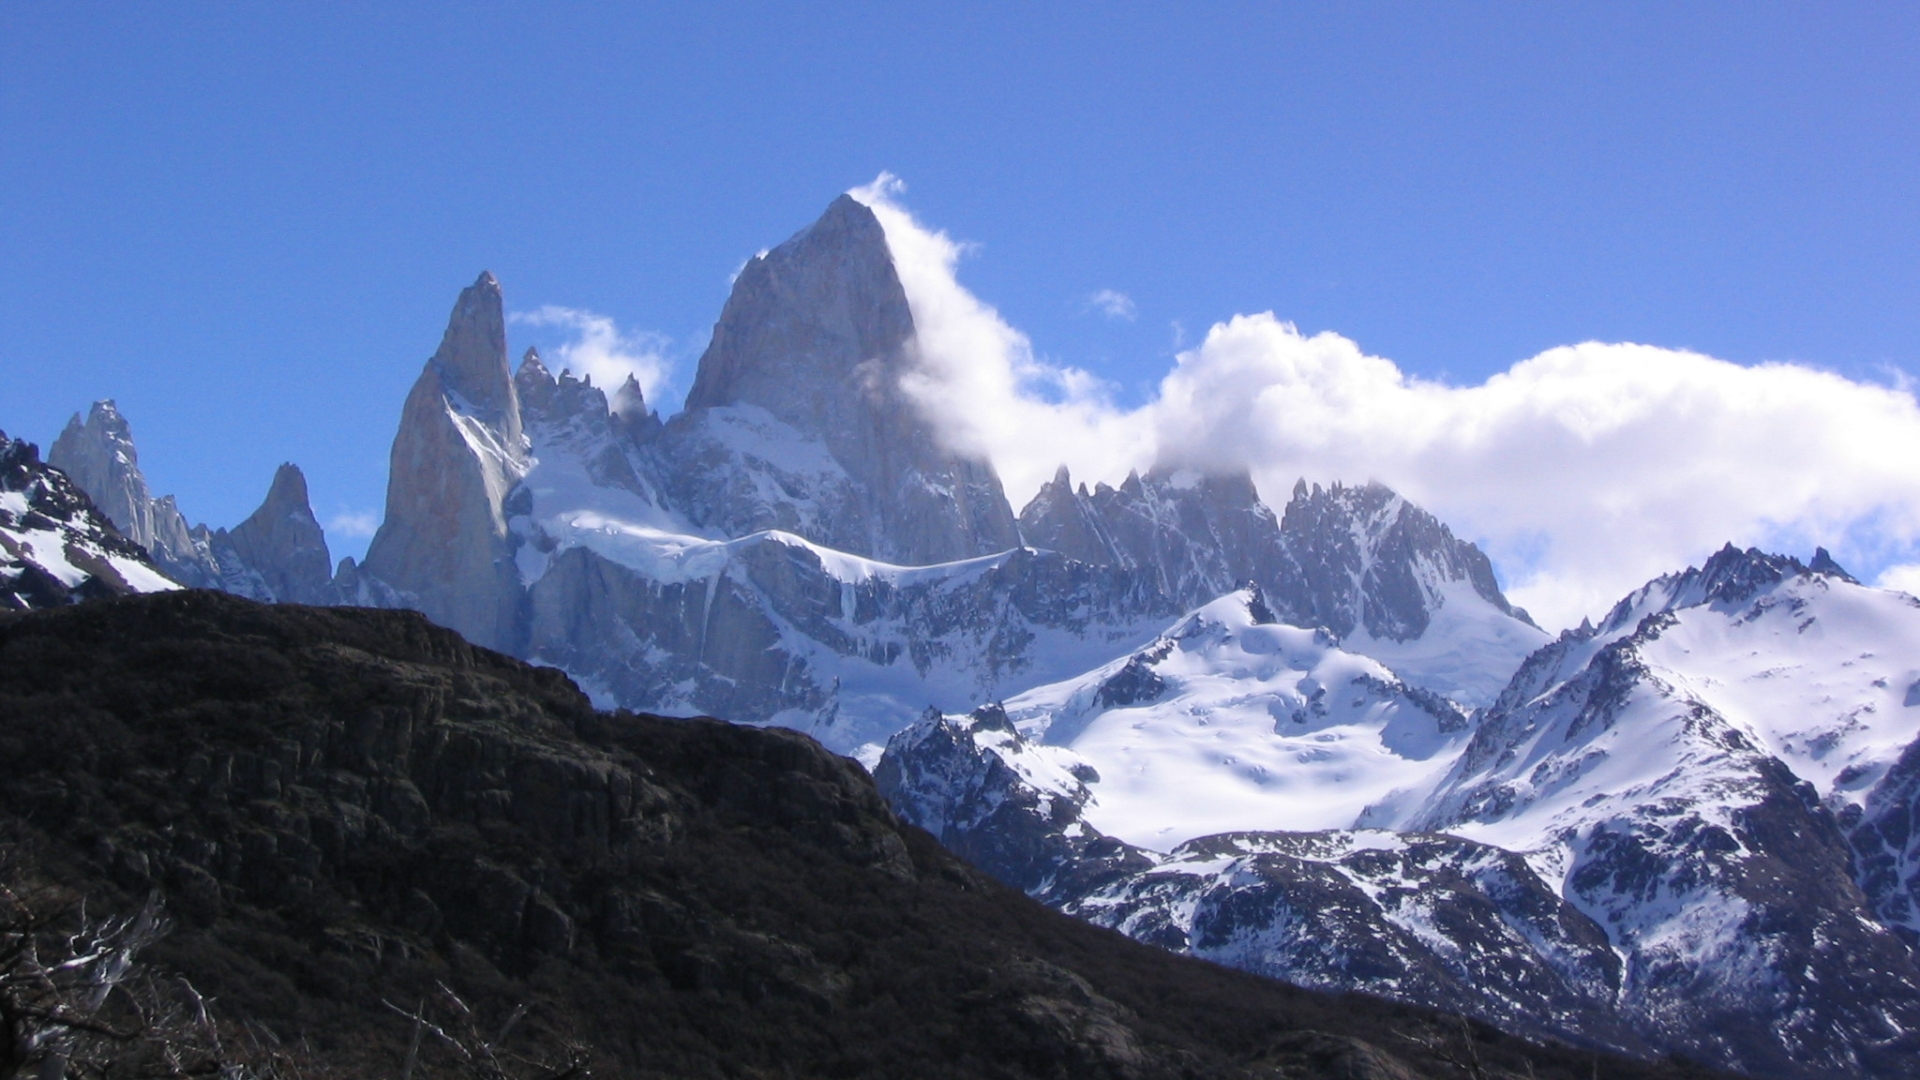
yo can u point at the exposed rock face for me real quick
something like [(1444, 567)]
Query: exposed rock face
[(1368, 558), (813, 342), (569, 423), (1198, 535), (771, 629), (1362, 562), (1343, 558), (99, 456), (279, 553), (55, 546), (283, 543), (1885, 833), (459, 452)]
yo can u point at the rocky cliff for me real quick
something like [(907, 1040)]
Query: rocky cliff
[(278, 553), (283, 543), (1363, 562), (810, 351), (459, 452)]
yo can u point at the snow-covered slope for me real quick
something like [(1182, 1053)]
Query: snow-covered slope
[(1231, 721), (1422, 918), (1685, 773), (1710, 801), (55, 547)]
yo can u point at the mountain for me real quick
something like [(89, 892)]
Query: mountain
[(458, 455), (347, 810), (1318, 744), (1384, 575), (797, 547), (98, 454), (283, 544), (279, 553), (809, 355), (56, 547), (1691, 769), (1686, 830), (1199, 795)]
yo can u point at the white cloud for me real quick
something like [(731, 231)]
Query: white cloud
[(1112, 303), (1905, 577), (978, 377), (601, 351), (1584, 471), (358, 524)]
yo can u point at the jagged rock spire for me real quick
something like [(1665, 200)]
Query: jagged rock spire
[(458, 454), (472, 358), (818, 333), (283, 543), (98, 455)]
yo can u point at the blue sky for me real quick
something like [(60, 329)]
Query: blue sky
[(247, 222)]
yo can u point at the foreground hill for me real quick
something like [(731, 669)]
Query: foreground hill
[(343, 806)]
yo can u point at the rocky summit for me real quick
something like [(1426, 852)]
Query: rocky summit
[(278, 553), (460, 451), (810, 351)]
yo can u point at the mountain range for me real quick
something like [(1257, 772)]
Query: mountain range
[(1316, 743)]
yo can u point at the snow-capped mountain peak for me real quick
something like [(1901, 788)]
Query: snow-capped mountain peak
[(55, 546)]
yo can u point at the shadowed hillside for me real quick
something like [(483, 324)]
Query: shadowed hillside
[(345, 807)]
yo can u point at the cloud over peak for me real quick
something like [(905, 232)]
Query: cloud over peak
[(1584, 470), (600, 349)]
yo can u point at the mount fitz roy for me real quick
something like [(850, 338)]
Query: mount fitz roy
[(1317, 744)]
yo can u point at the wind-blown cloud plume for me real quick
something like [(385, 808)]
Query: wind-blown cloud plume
[(1585, 470), (599, 349), (980, 381)]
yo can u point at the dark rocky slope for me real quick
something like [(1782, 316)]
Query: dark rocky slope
[(342, 806)]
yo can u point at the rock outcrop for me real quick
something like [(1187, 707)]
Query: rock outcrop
[(277, 554), (1371, 560), (797, 419), (459, 453), (1361, 561), (98, 454), (1198, 535), (55, 546), (283, 543)]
